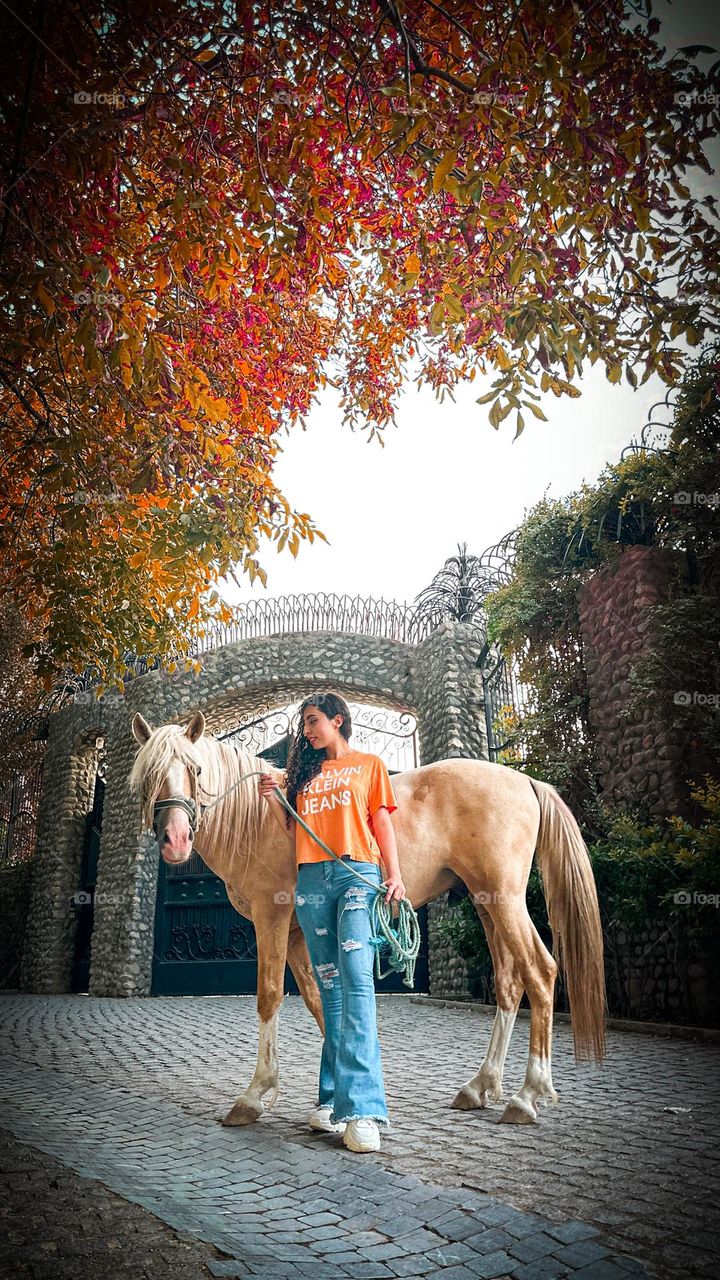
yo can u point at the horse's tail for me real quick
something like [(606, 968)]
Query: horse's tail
[(574, 916)]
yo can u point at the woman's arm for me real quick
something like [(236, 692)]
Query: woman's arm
[(385, 836)]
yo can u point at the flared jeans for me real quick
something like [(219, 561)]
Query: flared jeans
[(333, 910)]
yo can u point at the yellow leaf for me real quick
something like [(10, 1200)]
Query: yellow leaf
[(44, 296), (162, 276), (135, 561), (412, 263), (443, 169), (126, 372)]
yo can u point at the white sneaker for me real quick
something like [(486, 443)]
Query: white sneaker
[(319, 1118), (362, 1135)]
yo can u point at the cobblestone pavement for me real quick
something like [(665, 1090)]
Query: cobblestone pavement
[(620, 1174), (55, 1225)]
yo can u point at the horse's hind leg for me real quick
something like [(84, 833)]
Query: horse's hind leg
[(486, 1086), (538, 970)]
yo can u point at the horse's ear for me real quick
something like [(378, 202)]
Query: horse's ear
[(196, 727), (141, 729)]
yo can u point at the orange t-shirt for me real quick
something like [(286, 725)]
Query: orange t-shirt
[(339, 804)]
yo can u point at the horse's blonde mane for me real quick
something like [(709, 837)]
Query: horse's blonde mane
[(237, 821)]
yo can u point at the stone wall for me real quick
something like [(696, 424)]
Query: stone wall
[(437, 681), (662, 974), (640, 756), (448, 972)]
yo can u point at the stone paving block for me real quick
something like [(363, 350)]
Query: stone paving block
[(581, 1253), (381, 1252), (491, 1265), (413, 1265), (418, 1241), (538, 1245), (320, 1219), (603, 1270), (456, 1226), (458, 1272), (542, 1269), (490, 1241), (364, 1239), (569, 1232), (448, 1255), (367, 1271), (495, 1213), (523, 1224), (229, 1267)]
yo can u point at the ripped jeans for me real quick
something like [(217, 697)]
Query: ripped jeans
[(333, 912)]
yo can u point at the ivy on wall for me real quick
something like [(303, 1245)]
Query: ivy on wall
[(667, 498)]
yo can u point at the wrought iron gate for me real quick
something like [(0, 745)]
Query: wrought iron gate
[(84, 899), (203, 946)]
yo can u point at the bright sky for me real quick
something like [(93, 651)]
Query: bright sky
[(392, 516)]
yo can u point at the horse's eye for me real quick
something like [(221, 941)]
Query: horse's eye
[(198, 771)]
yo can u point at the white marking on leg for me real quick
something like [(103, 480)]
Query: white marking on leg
[(351, 945), (321, 931), (487, 1084), (537, 1086), (266, 1069)]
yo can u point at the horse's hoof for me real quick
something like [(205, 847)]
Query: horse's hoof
[(243, 1113), (466, 1100), (517, 1113)]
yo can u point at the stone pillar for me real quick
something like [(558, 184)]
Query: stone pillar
[(123, 930), (69, 773), (448, 693), (450, 706), (637, 757)]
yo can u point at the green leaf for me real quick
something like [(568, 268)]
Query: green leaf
[(535, 408)]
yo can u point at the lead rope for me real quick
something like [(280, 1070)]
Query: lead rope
[(401, 939)]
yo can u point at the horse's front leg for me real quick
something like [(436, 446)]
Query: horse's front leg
[(272, 924)]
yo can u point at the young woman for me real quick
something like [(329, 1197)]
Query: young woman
[(346, 798)]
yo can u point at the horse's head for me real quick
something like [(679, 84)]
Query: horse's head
[(165, 775)]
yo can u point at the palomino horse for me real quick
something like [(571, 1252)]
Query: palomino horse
[(459, 820)]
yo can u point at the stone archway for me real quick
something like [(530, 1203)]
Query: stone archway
[(437, 680)]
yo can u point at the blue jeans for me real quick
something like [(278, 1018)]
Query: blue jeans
[(333, 911)]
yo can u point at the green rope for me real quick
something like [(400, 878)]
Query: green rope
[(400, 939)]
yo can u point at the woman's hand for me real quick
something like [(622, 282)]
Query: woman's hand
[(266, 785), (395, 889)]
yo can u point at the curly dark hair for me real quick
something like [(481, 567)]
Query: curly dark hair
[(304, 761)]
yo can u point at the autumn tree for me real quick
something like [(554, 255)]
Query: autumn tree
[(213, 211)]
